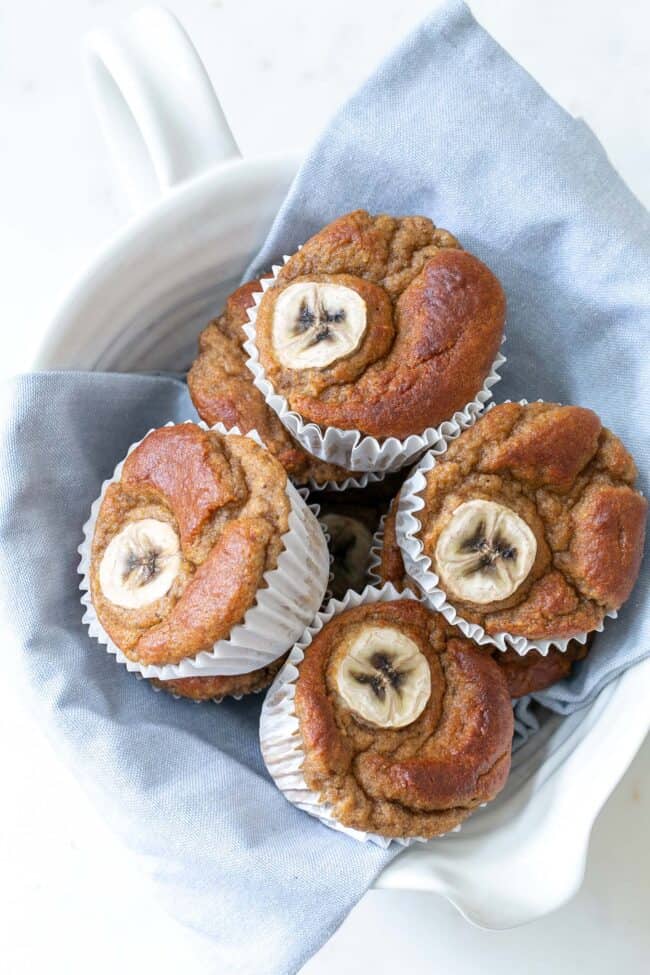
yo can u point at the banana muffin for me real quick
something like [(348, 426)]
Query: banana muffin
[(523, 674), (351, 520), (350, 541), (532, 522), (216, 688), (380, 324), (222, 391), (406, 726), (182, 541)]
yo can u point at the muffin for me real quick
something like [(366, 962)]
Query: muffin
[(381, 325), (531, 521), (217, 688), (351, 520), (193, 548), (222, 391), (350, 541), (398, 726), (523, 674)]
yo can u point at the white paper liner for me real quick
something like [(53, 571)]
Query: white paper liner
[(293, 592), (374, 556), (373, 575), (418, 566), (350, 448), (280, 739), (362, 481), (328, 539)]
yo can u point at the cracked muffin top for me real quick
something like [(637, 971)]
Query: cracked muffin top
[(532, 522), (380, 324), (183, 539), (523, 674), (406, 726), (222, 391)]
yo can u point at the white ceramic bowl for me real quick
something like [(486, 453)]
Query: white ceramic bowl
[(140, 306)]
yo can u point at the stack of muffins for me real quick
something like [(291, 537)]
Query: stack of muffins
[(496, 540)]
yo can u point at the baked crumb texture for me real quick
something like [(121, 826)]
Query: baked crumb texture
[(572, 482), (225, 496), (523, 674), (435, 317), (216, 688), (222, 390), (423, 779)]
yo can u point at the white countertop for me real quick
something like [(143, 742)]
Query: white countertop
[(70, 898)]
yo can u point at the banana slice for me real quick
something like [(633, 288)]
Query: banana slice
[(351, 543), (485, 552), (140, 563), (316, 324), (384, 678)]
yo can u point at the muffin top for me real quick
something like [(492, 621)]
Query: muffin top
[(222, 391), (532, 522), (523, 674), (380, 324), (183, 539), (406, 726)]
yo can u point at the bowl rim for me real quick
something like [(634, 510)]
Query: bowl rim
[(140, 232)]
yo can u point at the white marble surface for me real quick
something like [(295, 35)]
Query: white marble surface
[(70, 898)]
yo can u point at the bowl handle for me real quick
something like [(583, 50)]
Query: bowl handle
[(158, 110)]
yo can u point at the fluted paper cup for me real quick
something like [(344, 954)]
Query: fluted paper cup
[(375, 554), (292, 594), (360, 481), (351, 448), (280, 739), (419, 567)]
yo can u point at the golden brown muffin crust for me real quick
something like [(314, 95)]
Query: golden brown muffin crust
[(418, 780), (216, 688), (222, 390), (572, 482), (435, 318), (226, 499)]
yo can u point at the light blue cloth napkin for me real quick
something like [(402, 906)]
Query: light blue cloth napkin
[(183, 784), (449, 127)]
